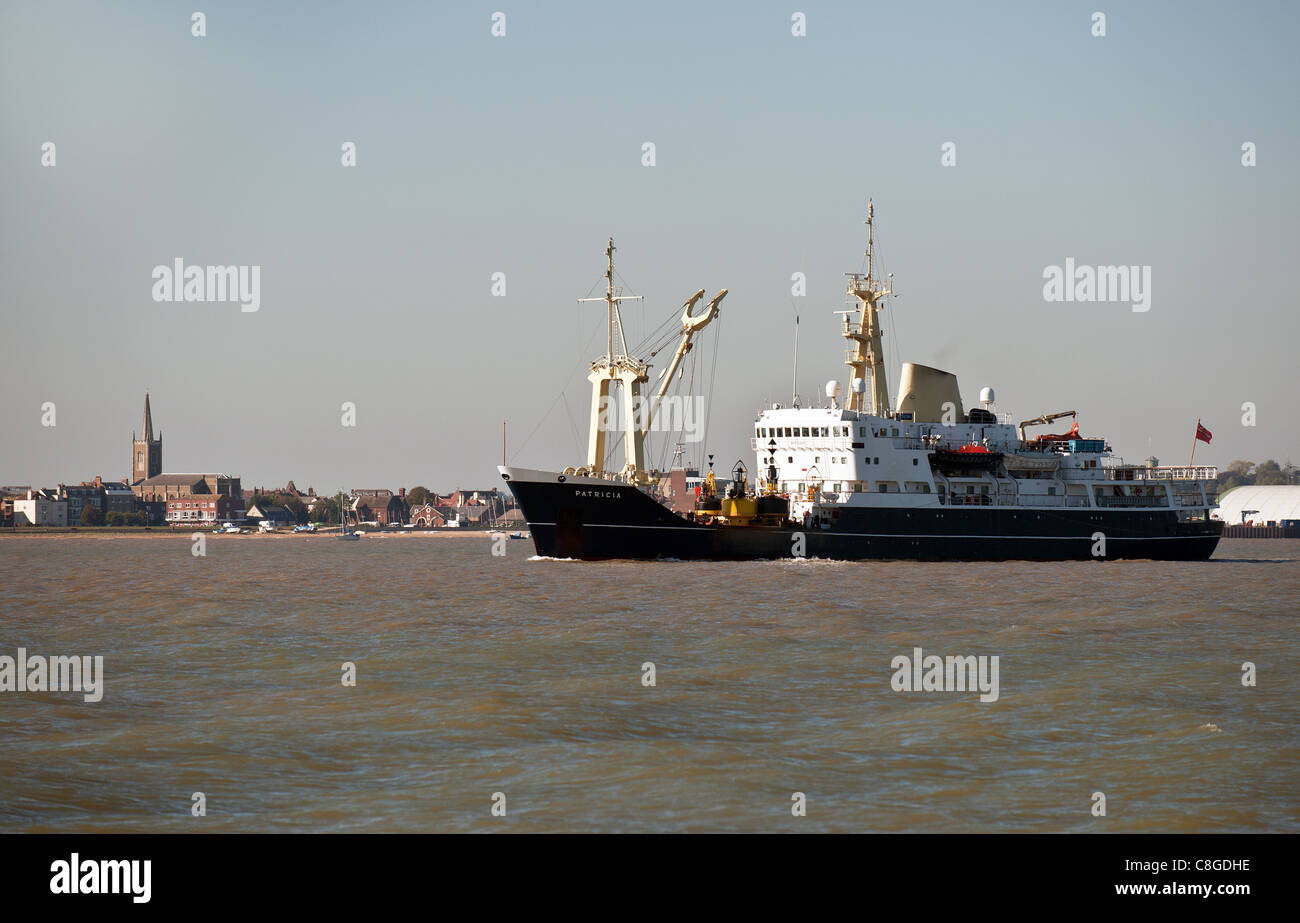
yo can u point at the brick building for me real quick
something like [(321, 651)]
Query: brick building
[(190, 497), (426, 515), (207, 508), (381, 506)]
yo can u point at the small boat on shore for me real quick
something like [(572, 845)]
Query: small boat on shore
[(344, 533)]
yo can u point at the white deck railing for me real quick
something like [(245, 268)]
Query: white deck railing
[(1162, 473)]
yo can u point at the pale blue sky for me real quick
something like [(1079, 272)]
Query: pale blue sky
[(522, 155)]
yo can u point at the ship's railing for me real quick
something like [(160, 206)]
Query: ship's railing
[(1031, 500), (1156, 500), (1039, 500), (1162, 473), (904, 442), (812, 443)]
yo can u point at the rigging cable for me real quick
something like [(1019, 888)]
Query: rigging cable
[(713, 373), (559, 397)]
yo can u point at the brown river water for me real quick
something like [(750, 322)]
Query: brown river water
[(478, 674)]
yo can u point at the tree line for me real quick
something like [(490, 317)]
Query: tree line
[(1241, 473)]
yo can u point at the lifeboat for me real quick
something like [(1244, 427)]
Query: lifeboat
[(967, 457), (1032, 461)]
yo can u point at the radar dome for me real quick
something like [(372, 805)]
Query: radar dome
[(859, 386), (832, 389)]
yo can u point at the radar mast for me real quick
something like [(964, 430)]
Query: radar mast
[(865, 353)]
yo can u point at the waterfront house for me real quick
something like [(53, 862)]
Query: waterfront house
[(40, 508), (276, 516)]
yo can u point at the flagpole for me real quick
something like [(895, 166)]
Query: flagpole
[(1194, 438)]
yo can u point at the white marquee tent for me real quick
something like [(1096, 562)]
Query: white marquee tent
[(1251, 503)]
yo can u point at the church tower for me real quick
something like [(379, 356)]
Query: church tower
[(146, 452)]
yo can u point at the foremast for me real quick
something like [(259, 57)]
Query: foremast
[(865, 354), (618, 366), (631, 372)]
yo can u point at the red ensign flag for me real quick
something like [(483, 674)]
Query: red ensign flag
[(1203, 434)]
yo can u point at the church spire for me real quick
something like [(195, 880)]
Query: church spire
[(146, 452)]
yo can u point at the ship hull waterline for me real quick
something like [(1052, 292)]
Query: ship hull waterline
[(592, 519)]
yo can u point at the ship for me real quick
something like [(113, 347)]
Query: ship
[(856, 478)]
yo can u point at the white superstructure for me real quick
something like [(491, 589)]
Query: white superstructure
[(928, 453)]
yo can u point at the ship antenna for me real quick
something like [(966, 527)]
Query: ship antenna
[(794, 380)]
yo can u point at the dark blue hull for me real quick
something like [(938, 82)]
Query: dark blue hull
[(613, 520)]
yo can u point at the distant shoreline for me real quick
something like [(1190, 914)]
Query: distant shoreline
[(140, 532)]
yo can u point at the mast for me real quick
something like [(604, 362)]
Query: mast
[(865, 354), (615, 366), (632, 373)]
